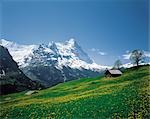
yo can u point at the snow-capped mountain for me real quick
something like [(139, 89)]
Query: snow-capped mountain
[(12, 79), (53, 63), (129, 65), (63, 54), (18, 52)]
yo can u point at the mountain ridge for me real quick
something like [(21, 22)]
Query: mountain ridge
[(66, 50), (12, 79), (53, 63)]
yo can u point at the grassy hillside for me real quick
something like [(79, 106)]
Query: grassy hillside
[(120, 97)]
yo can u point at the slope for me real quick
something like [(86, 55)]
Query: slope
[(120, 97), (12, 79)]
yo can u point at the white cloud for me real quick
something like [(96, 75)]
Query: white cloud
[(126, 56), (98, 51), (101, 53), (147, 54)]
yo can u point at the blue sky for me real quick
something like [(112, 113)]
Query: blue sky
[(105, 29)]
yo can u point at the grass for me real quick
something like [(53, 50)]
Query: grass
[(93, 98)]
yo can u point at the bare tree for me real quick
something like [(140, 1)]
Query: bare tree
[(117, 64), (137, 56)]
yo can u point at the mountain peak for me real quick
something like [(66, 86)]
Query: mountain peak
[(68, 52), (51, 43), (8, 44), (5, 42), (71, 41)]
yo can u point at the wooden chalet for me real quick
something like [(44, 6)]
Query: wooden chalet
[(113, 73)]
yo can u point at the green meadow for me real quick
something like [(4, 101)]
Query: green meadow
[(121, 97)]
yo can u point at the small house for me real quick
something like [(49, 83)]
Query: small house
[(113, 73)]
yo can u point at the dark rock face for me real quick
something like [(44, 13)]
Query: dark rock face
[(45, 75), (50, 75), (12, 79), (6, 61)]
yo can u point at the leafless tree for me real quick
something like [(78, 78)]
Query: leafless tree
[(137, 56)]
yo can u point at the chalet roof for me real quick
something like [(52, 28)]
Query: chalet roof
[(114, 71)]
